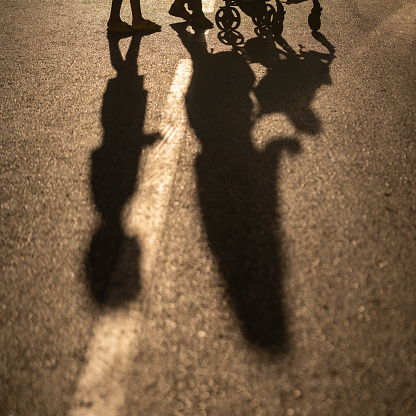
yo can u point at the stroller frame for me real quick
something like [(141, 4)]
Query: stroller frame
[(265, 17)]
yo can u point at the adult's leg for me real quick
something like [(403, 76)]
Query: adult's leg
[(115, 13), (138, 21), (178, 9), (198, 18), (195, 6), (136, 12)]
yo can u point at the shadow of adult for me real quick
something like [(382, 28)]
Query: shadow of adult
[(114, 169), (237, 186)]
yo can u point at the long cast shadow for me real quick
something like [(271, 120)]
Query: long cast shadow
[(292, 80), (114, 168), (238, 184), (237, 190)]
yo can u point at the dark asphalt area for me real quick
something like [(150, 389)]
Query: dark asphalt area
[(283, 271)]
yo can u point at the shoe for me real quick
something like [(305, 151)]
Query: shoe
[(180, 12), (201, 21), (121, 27), (146, 25)]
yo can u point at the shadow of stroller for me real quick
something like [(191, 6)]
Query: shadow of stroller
[(292, 80), (237, 187), (114, 169)]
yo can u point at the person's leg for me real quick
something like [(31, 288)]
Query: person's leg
[(115, 13), (195, 6), (136, 12), (198, 18), (138, 21), (179, 3), (178, 9)]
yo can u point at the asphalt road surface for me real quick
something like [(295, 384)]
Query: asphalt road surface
[(192, 228)]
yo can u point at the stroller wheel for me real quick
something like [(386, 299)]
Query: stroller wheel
[(227, 18), (266, 19), (261, 31)]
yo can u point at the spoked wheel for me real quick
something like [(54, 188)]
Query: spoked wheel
[(264, 23), (227, 18), (314, 19), (266, 18), (262, 31), (231, 37)]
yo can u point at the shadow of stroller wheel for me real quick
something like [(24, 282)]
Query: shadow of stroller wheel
[(231, 37), (266, 18), (227, 18), (262, 31)]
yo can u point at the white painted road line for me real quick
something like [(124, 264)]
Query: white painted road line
[(208, 6), (101, 387), (149, 206)]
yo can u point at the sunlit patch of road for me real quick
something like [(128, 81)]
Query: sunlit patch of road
[(100, 389)]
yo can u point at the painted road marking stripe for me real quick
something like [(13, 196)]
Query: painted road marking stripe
[(208, 6), (101, 387)]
